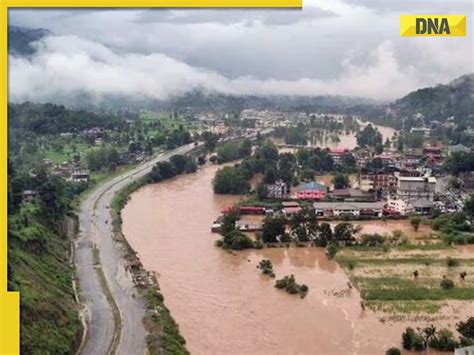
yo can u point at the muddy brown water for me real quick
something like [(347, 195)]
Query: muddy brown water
[(222, 303), (345, 140)]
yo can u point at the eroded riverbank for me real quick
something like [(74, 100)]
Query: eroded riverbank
[(221, 301)]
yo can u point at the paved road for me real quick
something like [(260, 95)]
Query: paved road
[(96, 229)]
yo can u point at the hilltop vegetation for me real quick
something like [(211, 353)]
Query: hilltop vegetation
[(441, 101), (41, 224), (38, 264)]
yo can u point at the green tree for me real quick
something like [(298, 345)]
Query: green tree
[(273, 228), (378, 149), (414, 140), (393, 351), (325, 234), (245, 148), (348, 161), (466, 328), (229, 180), (210, 140), (369, 136), (469, 207), (179, 162), (446, 284), (415, 222), (344, 232), (340, 181), (459, 162)]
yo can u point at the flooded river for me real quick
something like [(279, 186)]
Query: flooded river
[(221, 301)]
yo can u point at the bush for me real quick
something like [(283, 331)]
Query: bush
[(412, 340), (258, 244), (372, 240), (236, 240), (393, 351), (447, 284), (418, 343), (289, 284), (331, 250), (266, 266), (444, 340), (466, 328), (415, 222), (351, 264), (229, 180), (452, 262)]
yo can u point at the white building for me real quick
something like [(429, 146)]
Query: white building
[(277, 190), (366, 185), (415, 188), (348, 209), (400, 206)]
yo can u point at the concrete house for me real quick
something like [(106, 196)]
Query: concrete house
[(415, 188)]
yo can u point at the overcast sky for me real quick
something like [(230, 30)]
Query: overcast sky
[(336, 47)]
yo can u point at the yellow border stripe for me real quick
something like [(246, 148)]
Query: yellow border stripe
[(9, 301), (160, 3)]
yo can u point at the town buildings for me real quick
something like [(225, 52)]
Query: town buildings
[(378, 180)]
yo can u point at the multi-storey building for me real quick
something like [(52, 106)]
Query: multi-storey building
[(414, 188)]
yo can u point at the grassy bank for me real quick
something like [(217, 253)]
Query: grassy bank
[(39, 268)]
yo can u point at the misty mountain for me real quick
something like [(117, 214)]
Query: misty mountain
[(20, 40), (436, 103)]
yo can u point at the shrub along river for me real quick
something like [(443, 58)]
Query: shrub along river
[(221, 301)]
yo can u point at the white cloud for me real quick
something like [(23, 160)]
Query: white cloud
[(66, 64), (330, 47)]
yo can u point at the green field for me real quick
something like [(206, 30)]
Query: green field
[(167, 122), (408, 279)]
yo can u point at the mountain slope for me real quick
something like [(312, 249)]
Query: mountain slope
[(440, 102), (20, 40)]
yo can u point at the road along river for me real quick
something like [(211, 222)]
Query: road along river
[(113, 313), (222, 303)]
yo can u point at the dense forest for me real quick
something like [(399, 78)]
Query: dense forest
[(54, 119)]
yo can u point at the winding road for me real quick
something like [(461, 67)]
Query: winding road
[(112, 312)]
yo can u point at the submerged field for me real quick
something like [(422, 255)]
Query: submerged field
[(405, 281)]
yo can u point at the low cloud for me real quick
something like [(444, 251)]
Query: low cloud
[(336, 47), (65, 65)]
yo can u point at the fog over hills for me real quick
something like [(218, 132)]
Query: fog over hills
[(27, 48), (80, 71), (328, 48)]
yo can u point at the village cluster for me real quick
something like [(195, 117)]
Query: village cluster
[(400, 183)]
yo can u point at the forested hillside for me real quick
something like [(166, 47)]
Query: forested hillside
[(441, 102), (38, 263), (39, 217)]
